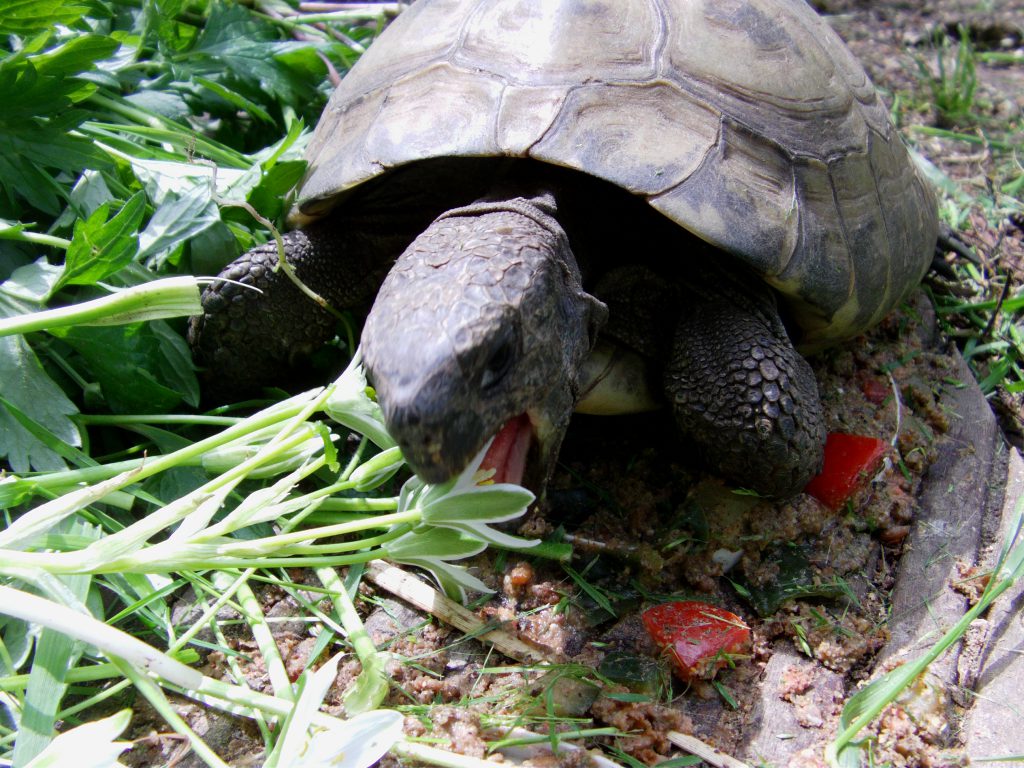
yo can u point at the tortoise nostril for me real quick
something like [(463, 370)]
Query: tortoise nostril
[(418, 439), (404, 418)]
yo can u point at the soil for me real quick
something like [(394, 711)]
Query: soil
[(664, 531), (645, 523)]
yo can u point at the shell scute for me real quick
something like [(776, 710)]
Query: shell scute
[(630, 135), (748, 122), (554, 42)]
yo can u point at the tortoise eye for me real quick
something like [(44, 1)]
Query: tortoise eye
[(498, 365)]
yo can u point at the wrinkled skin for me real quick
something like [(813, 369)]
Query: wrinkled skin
[(483, 318)]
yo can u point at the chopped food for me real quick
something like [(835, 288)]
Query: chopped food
[(850, 461), (699, 638), (875, 390)]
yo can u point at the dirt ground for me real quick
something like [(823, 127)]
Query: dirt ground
[(644, 523)]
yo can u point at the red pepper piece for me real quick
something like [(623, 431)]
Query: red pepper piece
[(698, 637), (850, 461), (875, 390)]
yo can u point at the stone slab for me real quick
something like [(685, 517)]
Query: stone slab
[(994, 725)]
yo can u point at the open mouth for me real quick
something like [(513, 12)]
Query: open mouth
[(509, 450)]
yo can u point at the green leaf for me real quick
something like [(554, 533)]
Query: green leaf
[(796, 579), (236, 41), (479, 504), (27, 386), (678, 762), (432, 544), (177, 481), (45, 436), (22, 17), (167, 104), (179, 218), (17, 637), (593, 592), (141, 368), (177, 369), (46, 686), (49, 143), (270, 195), (212, 249), (351, 406), (76, 56), (10, 230), (20, 178), (492, 536), (166, 180), (868, 701), (99, 247), (89, 193), (291, 146), (56, 653), (161, 16), (636, 672), (235, 99), (31, 147), (90, 745), (48, 83), (454, 580)]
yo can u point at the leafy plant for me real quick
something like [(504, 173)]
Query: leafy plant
[(952, 84), (123, 131), (129, 134), (52, 549)]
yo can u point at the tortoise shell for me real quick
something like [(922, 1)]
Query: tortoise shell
[(747, 122)]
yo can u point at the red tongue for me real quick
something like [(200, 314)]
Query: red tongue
[(507, 454)]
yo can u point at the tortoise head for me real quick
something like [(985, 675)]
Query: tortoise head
[(481, 327)]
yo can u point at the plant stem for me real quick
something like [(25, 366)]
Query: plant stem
[(186, 456), (345, 16), (372, 687), (368, 504), (120, 107), (158, 418), (168, 297), (39, 610), (37, 238), (155, 696), (435, 756)]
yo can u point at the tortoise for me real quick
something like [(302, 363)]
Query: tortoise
[(596, 205)]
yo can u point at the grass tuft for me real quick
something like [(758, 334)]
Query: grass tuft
[(953, 79)]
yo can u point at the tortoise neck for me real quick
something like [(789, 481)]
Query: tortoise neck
[(535, 202)]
